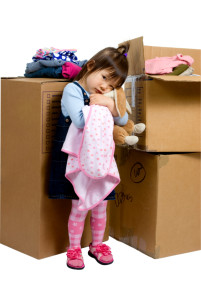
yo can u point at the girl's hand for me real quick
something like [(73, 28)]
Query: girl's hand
[(99, 99)]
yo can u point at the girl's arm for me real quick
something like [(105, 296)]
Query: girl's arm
[(104, 101), (110, 104), (72, 104)]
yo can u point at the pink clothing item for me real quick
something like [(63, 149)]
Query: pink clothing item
[(70, 70), (164, 65), (75, 258), (98, 222), (76, 225), (91, 166), (102, 254)]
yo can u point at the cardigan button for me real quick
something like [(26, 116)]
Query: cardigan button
[(67, 120)]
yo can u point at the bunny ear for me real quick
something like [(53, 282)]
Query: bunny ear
[(120, 101), (128, 108)]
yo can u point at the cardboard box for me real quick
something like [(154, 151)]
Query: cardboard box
[(168, 105), (157, 206), (30, 221)]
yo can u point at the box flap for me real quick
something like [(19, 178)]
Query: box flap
[(135, 56), (176, 78)]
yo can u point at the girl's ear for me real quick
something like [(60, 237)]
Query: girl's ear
[(90, 65)]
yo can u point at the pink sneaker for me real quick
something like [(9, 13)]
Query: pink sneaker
[(101, 253), (75, 259)]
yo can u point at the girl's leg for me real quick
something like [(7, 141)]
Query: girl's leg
[(76, 225), (98, 222), (97, 249)]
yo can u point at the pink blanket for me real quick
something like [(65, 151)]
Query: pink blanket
[(164, 65), (91, 166)]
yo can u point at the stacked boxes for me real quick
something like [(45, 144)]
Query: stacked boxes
[(30, 221), (157, 208)]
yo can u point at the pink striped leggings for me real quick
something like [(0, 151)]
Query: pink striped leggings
[(76, 223)]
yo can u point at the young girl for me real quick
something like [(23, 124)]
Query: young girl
[(104, 72)]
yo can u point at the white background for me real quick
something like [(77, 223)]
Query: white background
[(90, 26)]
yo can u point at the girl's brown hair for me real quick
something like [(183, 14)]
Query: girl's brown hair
[(112, 59)]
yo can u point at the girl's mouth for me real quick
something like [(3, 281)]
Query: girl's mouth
[(98, 92)]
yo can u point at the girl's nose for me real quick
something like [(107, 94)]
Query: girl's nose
[(104, 87)]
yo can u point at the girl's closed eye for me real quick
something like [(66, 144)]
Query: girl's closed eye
[(105, 78)]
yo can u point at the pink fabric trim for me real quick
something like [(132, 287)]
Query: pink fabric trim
[(83, 200), (93, 174), (68, 152)]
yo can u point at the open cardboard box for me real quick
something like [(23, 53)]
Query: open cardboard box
[(157, 206), (30, 221), (168, 105)]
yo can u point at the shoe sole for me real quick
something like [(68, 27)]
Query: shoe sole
[(100, 262), (75, 268)]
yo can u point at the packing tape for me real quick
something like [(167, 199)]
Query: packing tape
[(132, 79)]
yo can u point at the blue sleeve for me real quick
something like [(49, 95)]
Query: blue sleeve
[(121, 121), (72, 103)]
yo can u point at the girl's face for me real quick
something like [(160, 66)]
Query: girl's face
[(98, 82)]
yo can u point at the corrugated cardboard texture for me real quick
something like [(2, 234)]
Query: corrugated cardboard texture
[(135, 56), (177, 78), (168, 105), (157, 207), (30, 221), (134, 213), (171, 112), (179, 203), (138, 53)]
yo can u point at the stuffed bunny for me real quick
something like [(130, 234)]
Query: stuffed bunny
[(124, 134)]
